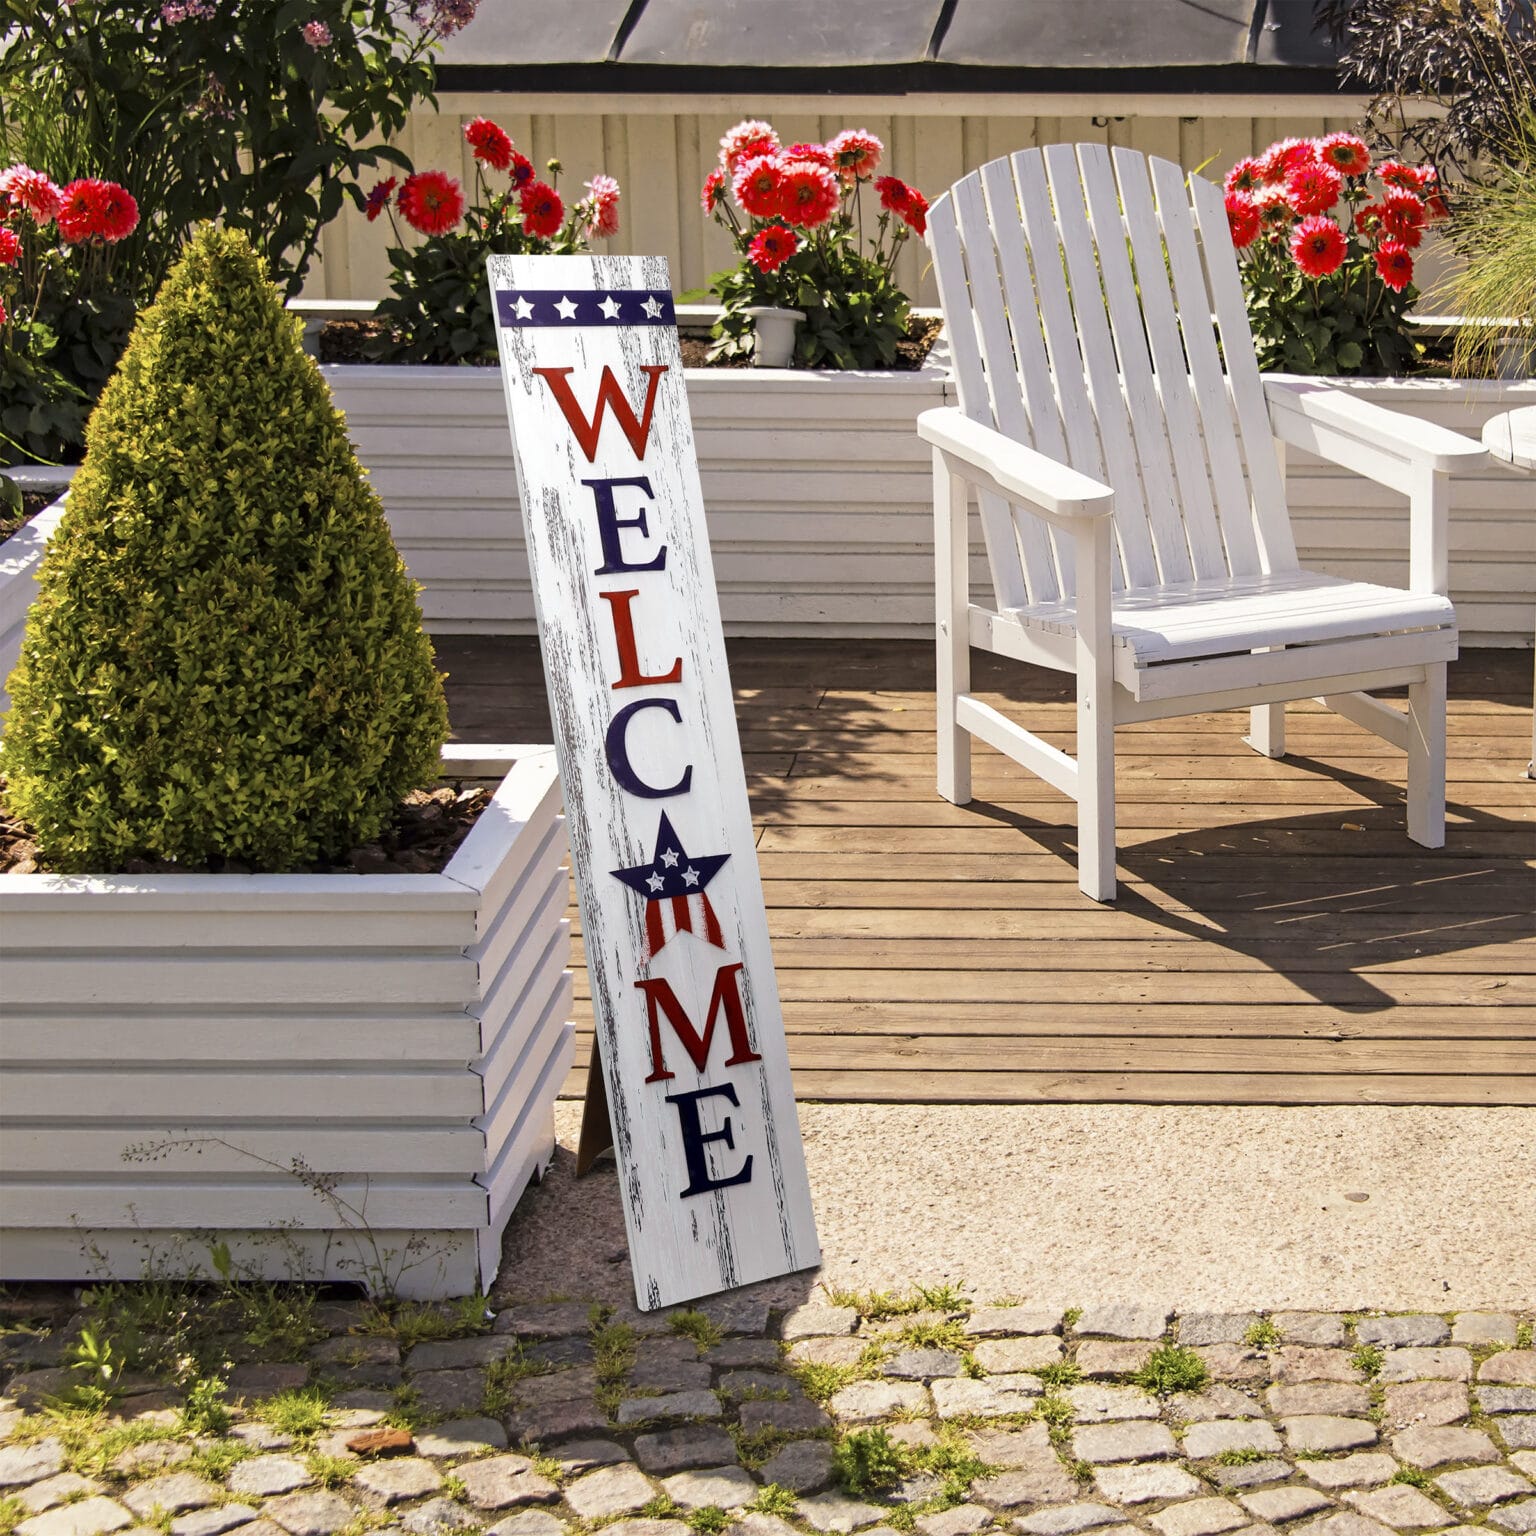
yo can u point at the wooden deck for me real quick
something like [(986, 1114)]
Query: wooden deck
[(1277, 938)]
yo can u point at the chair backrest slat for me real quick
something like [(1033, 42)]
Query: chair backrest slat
[(1194, 301), (1002, 370), (1207, 558), (1029, 343), (1085, 291), (1273, 524), (1138, 563), (1165, 528), (1008, 584)]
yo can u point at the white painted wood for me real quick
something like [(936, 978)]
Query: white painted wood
[(951, 629), (1378, 718), (1144, 633), (714, 1196), (391, 1090), (20, 557)]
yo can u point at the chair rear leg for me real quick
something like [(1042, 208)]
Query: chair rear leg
[(1426, 758), (1095, 715), (952, 582), (1266, 729)]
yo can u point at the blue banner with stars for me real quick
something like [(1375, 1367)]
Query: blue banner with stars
[(527, 308)]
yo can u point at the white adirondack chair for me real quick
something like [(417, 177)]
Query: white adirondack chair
[(1132, 496)]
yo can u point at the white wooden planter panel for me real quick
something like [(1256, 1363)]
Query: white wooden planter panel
[(406, 1033), (819, 500), (20, 556)]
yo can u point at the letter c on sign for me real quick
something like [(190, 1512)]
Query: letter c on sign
[(618, 752)]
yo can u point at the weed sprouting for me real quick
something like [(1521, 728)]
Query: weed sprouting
[(1172, 1368)]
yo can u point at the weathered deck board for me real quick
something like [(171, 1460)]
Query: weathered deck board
[(1277, 937)]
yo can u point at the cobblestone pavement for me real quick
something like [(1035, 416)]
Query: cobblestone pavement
[(932, 1414)]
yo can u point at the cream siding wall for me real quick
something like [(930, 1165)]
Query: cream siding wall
[(661, 157)]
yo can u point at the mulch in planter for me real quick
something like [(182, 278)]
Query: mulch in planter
[(428, 827), (343, 341), (32, 502)]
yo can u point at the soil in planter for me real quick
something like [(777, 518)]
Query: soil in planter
[(343, 341), (429, 825), (32, 502)]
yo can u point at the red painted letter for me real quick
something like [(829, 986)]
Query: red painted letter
[(660, 998), (608, 395), (630, 675)]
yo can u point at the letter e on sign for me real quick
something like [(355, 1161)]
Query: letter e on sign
[(690, 1035)]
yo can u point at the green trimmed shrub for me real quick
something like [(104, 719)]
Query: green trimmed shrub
[(225, 661)]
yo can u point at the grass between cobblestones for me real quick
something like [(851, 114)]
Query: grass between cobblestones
[(176, 1409)]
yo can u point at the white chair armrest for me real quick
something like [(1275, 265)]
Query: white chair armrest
[(1363, 436), (994, 461)]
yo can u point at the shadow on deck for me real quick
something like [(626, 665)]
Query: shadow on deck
[(1277, 938)]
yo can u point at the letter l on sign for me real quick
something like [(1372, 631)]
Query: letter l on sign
[(688, 1023)]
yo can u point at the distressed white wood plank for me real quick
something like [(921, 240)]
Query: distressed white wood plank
[(713, 1176)]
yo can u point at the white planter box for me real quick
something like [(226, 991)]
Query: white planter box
[(20, 556), (818, 492), (819, 499), (404, 1034), (1348, 526)]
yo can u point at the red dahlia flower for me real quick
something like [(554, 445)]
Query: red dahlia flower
[(605, 206), (759, 186), (1317, 244), (32, 190), (1274, 206), (1395, 174), (820, 153), (521, 170), (90, 208), (118, 213), (894, 193), (1312, 188), (916, 212), (1246, 176), (856, 152), (10, 247), (1346, 153), (1403, 216), (713, 189), (772, 247), (747, 141), (378, 199), (1394, 264), (543, 212), (810, 194), (489, 143), (1284, 156), (1243, 219), (431, 202)]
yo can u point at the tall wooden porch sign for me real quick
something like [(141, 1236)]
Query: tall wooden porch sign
[(689, 1030)]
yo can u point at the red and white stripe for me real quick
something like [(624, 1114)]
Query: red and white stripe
[(669, 915)]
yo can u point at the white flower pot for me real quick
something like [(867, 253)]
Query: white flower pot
[(774, 335)]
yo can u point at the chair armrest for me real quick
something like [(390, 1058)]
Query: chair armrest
[(995, 462), (1384, 445)]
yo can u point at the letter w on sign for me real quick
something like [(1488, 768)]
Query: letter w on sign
[(689, 1030)]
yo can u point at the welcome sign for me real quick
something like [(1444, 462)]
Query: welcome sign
[(689, 1029)]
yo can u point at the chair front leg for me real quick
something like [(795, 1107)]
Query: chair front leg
[(1095, 714), (952, 584), (1426, 758)]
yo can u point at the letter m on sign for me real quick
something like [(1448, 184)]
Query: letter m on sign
[(661, 999)]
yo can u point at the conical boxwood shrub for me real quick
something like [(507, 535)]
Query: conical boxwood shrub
[(225, 661)]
